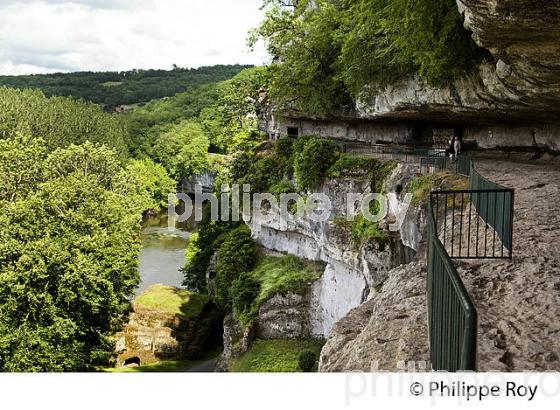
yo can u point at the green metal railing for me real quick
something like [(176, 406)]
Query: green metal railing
[(496, 209), (452, 315)]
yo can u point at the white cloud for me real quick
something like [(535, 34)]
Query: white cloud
[(58, 35)]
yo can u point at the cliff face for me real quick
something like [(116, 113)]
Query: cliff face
[(352, 272), (386, 331), (522, 83)]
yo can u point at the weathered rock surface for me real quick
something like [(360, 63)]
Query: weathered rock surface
[(351, 272), (522, 83), (153, 335), (237, 339), (284, 317), (387, 330)]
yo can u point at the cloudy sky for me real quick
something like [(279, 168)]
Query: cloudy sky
[(41, 36)]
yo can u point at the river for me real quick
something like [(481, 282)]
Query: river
[(163, 252)]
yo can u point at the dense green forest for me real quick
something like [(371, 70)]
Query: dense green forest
[(75, 182), (332, 51), (112, 89)]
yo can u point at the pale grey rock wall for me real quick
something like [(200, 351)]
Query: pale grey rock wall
[(284, 317), (384, 332), (352, 272), (490, 137), (343, 130)]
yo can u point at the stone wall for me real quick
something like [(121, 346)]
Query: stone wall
[(343, 130)]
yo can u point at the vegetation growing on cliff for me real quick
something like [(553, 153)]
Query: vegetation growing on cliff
[(236, 254), (421, 186), (275, 356), (312, 159), (201, 248), (331, 51), (275, 276)]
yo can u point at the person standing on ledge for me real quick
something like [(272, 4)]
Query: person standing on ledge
[(456, 147)]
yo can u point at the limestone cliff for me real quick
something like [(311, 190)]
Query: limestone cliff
[(386, 331), (353, 271), (521, 83)]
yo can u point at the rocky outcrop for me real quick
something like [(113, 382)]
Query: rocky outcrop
[(388, 330), (152, 335), (284, 317), (521, 83), (237, 338), (352, 270)]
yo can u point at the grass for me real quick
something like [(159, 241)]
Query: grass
[(171, 300), (362, 230), (169, 366), (421, 187), (274, 356), (280, 275)]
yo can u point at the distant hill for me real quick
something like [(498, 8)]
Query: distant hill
[(113, 89)]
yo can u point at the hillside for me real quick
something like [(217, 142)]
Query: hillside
[(112, 89)]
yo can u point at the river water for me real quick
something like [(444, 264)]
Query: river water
[(163, 252)]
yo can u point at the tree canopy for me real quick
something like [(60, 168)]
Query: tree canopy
[(59, 121), (330, 51), (112, 89), (68, 255)]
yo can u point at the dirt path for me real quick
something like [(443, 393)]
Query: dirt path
[(203, 367), (518, 301)]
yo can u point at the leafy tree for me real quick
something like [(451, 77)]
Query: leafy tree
[(303, 38), (21, 166), (183, 150), (244, 291), (97, 161), (201, 248), (69, 267), (58, 121), (237, 253), (148, 184), (328, 51), (313, 158), (385, 40)]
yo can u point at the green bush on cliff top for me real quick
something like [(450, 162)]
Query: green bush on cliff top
[(278, 356)]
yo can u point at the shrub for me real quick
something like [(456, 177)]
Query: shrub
[(362, 230), (209, 232), (313, 160), (283, 152), (264, 173), (244, 291), (237, 253), (276, 355), (307, 360), (352, 166)]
